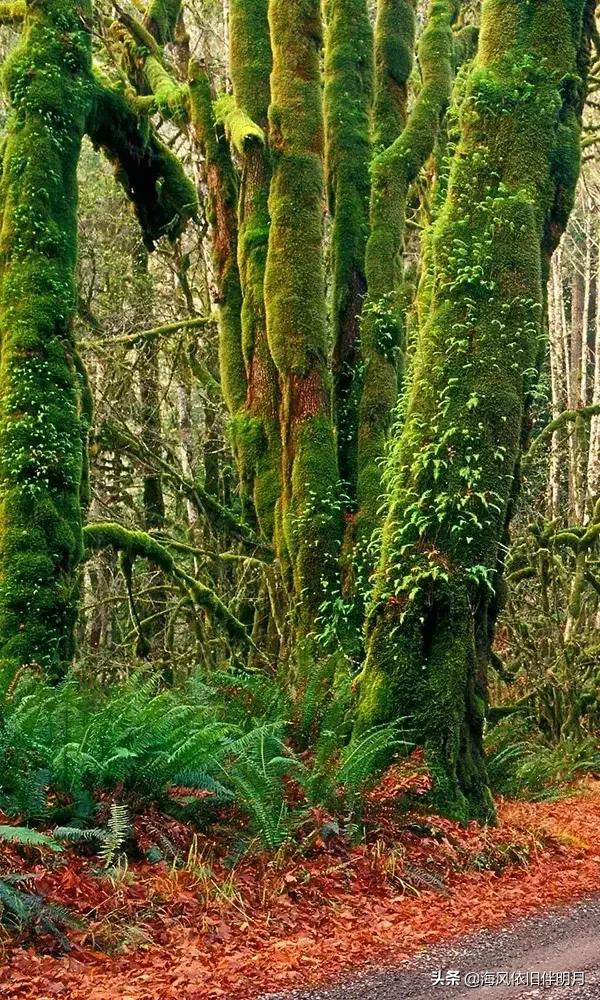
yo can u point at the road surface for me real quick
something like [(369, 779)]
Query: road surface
[(551, 956)]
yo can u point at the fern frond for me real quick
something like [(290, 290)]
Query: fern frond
[(28, 838)]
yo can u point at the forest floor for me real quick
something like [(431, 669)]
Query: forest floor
[(200, 930)]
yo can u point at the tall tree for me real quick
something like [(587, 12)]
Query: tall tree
[(394, 170), (251, 63), (48, 78), (455, 467), (54, 99)]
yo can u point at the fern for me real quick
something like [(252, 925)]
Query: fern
[(28, 838), (25, 910), (363, 758), (75, 835), (521, 764), (118, 829)]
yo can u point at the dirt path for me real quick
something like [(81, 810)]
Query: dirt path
[(552, 956)]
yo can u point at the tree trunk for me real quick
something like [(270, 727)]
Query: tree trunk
[(348, 97), (395, 29), (310, 530), (383, 327), (452, 473), (258, 431), (41, 459)]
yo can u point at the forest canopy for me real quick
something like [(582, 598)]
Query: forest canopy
[(300, 387)]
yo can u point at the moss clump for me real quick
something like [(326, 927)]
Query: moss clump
[(239, 127), (295, 303), (47, 77), (452, 473), (348, 99)]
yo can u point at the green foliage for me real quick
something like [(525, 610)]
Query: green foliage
[(116, 833), (522, 764), (229, 735), (452, 471), (21, 908), (23, 836)]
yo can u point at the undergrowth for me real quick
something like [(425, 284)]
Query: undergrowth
[(523, 764), (223, 750)]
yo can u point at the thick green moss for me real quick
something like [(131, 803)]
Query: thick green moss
[(239, 127), (393, 172), (452, 473), (47, 77), (295, 302), (395, 29), (348, 99), (251, 63), (223, 196)]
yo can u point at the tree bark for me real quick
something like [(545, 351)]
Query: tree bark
[(348, 99)]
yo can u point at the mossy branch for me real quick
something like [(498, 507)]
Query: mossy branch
[(566, 417), (152, 176), (170, 98), (141, 545), (395, 28), (219, 516), (161, 19), (140, 33), (239, 127), (134, 340)]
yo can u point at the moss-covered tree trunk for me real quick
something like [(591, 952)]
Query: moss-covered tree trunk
[(348, 99), (453, 473), (395, 27), (49, 88), (258, 431), (295, 305), (221, 183), (393, 171)]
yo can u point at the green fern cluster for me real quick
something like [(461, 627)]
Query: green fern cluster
[(521, 764), (226, 735), (21, 908)]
